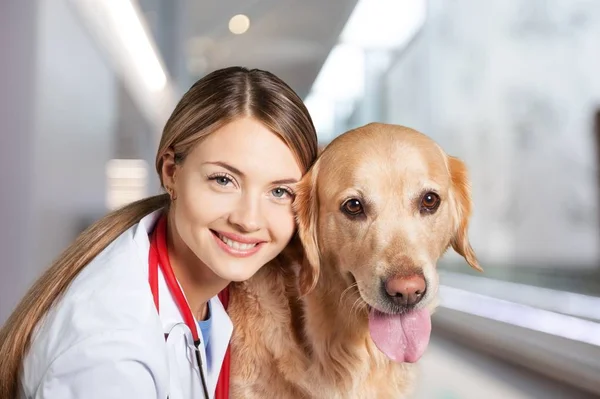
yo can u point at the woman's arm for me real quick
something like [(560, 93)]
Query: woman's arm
[(107, 365)]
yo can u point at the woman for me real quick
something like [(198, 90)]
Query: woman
[(130, 309)]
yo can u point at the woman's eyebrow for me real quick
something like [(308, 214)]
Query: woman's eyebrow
[(232, 169), (285, 181)]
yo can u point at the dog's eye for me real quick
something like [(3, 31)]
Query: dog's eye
[(352, 207), (430, 202)]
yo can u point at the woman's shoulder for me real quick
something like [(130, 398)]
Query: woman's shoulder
[(120, 269), (131, 247), (111, 294)]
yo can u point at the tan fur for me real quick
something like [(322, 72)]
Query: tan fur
[(318, 345)]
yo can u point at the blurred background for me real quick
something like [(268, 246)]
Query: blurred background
[(510, 86)]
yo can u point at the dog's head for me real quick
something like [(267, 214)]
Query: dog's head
[(382, 205)]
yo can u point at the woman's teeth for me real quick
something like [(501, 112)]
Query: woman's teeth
[(236, 245)]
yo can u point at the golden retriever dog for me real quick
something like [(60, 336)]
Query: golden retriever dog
[(377, 210)]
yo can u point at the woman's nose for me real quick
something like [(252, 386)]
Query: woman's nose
[(248, 215)]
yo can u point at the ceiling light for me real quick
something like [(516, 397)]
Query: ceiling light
[(126, 182), (239, 24), (126, 41), (126, 21)]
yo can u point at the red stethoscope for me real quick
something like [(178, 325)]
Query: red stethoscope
[(159, 257)]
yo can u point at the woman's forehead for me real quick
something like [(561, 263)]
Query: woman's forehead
[(250, 147)]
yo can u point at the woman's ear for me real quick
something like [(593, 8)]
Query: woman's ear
[(168, 170), (306, 208), (461, 189)]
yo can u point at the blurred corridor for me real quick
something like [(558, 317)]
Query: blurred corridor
[(509, 86)]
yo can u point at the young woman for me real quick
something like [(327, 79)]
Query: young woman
[(130, 309)]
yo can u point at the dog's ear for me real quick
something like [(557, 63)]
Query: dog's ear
[(306, 208), (461, 189)]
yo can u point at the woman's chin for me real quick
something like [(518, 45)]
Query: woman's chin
[(233, 275)]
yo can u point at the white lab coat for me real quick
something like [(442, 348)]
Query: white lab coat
[(105, 339)]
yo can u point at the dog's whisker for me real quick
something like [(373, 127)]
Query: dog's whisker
[(347, 291), (353, 310), (357, 306)]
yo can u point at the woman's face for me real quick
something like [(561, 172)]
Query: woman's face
[(233, 206)]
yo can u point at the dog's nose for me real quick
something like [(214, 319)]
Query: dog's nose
[(406, 291)]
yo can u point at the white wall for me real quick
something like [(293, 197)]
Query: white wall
[(76, 111), (135, 137), (17, 85), (56, 141), (407, 94), (511, 87)]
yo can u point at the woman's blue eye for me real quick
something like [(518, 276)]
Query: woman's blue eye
[(280, 192), (222, 180)]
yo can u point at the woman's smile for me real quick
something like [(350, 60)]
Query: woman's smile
[(237, 245)]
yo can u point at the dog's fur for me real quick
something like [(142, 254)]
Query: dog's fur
[(318, 345)]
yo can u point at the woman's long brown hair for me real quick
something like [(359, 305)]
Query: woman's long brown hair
[(213, 101)]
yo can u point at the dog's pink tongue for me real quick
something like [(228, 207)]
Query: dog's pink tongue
[(402, 338)]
